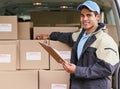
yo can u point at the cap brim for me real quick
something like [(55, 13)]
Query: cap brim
[(80, 7)]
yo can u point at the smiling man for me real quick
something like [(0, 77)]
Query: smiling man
[(94, 54)]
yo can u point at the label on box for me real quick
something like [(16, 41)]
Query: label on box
[(33, 56), (58, 86), (5, 27), (65, 54), (5, 58)]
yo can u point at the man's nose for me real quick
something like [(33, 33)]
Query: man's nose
[(85, 18)]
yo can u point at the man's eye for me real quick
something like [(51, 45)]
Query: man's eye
[(88, 15)]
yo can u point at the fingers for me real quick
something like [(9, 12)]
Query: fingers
[(68, 67), (38, 37)]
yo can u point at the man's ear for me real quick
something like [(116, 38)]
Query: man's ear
[(98, 17)]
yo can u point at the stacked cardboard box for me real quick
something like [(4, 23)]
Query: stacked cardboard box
[(25, 30), (8, 28), (32, 55), (9, 58), (9, 53), (48, 30), (53, 79), (19, 79)]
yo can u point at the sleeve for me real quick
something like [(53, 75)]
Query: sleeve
[(62, 37), (66, 37), (107, 56), (99, 70)]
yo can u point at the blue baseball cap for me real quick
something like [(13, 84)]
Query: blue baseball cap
[(93, 6)]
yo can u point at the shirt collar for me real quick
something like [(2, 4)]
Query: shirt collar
[(84, 35)]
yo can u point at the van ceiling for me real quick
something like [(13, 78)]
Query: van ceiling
[(24, 7)]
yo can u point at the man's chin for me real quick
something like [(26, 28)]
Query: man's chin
[(86, 28)]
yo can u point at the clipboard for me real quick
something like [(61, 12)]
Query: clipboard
[(53, 52)]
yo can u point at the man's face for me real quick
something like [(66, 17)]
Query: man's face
[(88, 19)]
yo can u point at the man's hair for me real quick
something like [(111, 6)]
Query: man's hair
[(95, 12)]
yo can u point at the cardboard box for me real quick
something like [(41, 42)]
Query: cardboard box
[(48, 30), (25, 30), (53, 79), (68, 25), (18, 79), (9, 58), (32, 55), (8, 27), (65, 52)]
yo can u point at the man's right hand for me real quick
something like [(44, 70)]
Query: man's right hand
[(42, 37)]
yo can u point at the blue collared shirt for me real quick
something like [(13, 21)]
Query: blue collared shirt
[(81, 43)]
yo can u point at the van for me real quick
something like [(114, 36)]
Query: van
[(110, 15)]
